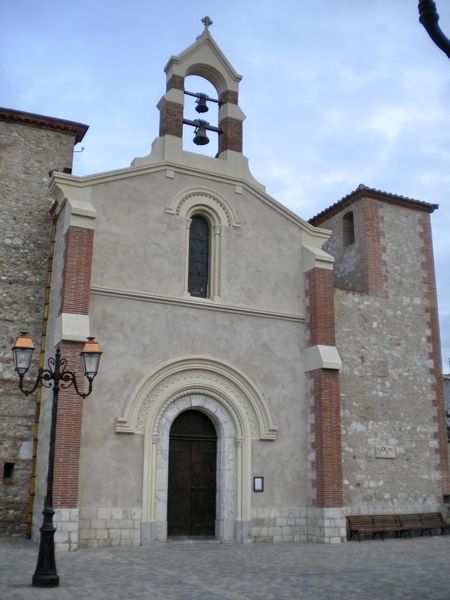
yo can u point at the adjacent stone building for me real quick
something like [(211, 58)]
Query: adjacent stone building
[(30, 147), (262, 376), (387, 333)]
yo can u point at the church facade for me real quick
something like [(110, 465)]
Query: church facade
[(262, 376)]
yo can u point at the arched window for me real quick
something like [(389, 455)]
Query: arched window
[(211, 213), (348, 229), (199, 257)]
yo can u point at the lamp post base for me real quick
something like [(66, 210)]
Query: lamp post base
[(45, 580), (45, 574)]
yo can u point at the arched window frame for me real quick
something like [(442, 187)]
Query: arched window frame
[(220, 214), (215, 229)]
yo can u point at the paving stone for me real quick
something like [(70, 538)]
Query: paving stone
[(381, 570)]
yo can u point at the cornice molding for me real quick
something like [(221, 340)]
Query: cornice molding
[(165, 166), (199, 303)]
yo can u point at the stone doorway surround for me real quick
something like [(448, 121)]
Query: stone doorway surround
[(239, 414)]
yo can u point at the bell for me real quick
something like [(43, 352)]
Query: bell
[(201, 104), (200, 137)]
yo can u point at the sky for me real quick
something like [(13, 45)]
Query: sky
[(336, 92)]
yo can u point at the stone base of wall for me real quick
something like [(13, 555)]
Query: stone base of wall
[(299, 524), (242, 531), (110, 527), (279, 525), (327, 525), (66, 523), (102, 527), (153, 531)]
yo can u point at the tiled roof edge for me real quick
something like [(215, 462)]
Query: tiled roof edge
[(363, 191), (78, 130)]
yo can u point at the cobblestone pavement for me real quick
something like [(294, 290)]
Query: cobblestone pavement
[(411, 569)]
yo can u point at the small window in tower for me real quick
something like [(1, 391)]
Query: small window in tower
[(348, 224), (8, 472), (199, 241)]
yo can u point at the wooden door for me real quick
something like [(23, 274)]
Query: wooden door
[(191, 509)]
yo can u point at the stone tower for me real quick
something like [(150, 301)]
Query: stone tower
[(387, 332), (30, 147)]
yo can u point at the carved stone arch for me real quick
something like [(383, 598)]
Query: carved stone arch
[(198, 375), (195, 199), (239, 413)]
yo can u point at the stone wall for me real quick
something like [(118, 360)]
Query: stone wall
[(359, 266), (30, 147), (298, 524), (392, 455)]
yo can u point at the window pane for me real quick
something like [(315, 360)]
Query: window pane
[(198, 257)]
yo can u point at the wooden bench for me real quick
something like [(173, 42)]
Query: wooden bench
[(397, 524), (409, 523), (432, 521), (374, 524)]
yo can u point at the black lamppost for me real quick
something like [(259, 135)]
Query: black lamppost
[(429, 18), (56, 377)]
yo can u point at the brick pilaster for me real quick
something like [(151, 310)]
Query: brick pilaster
[(320, 299), (176, 82), (327, 436), (77, 271), (231, 136), (171, 118), (68, 433), (325, 391), (74, 300), (228, 96), (374, 264)]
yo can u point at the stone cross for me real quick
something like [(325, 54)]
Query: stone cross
[(207, 22)]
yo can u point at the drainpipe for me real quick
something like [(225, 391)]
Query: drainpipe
[(37, 411)]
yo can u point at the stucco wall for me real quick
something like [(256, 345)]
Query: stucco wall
[(137, 338), (138, 246)]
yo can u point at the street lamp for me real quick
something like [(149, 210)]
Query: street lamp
[(429, 18), (56, 377)]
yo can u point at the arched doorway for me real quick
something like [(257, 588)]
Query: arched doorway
[(239, 414), (191, 502)]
